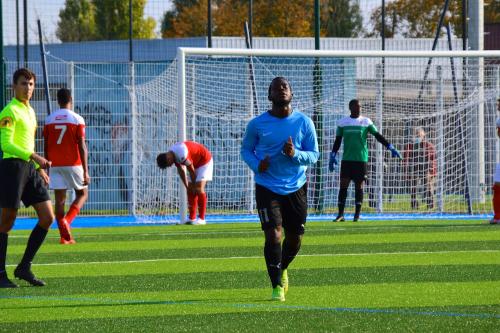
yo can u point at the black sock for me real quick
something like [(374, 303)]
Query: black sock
[(4, 237), (358, 197), (342, 199), (272, 254), (34, 242), (290, 250)]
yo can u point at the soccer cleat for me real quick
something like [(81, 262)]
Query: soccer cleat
[(339, 218), (191, 222), (284, 280), (278, 294), (494, 221), (27, 275), (6, 283), (355, 219), (200, 222)]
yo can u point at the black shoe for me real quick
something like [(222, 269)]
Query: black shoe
[(339, 218), (355, 219), (6, 283), (27, 275)]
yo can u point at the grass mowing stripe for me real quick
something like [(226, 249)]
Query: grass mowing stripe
[(158, 280), (320, 260), (254, 241), (75, 253), (255, 305)]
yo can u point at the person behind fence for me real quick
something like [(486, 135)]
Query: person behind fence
[(278, 146), (354, 129), (22, 177), (197, 159), (420, 168), (64, 134), (496, 180)]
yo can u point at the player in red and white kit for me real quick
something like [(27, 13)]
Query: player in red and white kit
[(64, 134), (196, 158)]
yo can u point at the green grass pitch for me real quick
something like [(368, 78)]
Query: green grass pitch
[(384, 276)]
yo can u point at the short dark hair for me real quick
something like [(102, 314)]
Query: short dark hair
[(24, 72), (161, 160), (352, 103), (64, 96), (280, 78)]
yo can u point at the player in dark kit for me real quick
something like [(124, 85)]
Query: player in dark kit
[(354, 129), (278, 146), (22, 177)]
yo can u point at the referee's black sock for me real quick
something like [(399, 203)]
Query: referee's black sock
[(358, 197), (342, 199), (290, 250), (4, 237), (272, 254), (34, 242)]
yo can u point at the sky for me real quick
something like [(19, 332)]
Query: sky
[(48, 12)]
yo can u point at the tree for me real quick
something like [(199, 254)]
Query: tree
[(112, 20), (416, 18), (77, 22), (341, 18), (272, 18), (492, 11)]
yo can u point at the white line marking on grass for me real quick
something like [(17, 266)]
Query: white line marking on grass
[(257, 257)]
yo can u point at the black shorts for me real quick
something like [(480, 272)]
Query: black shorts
[(288, 211), (20, 181), (353, 170)]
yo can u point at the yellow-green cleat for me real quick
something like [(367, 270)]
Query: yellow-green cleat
[(284, 280), (278, 294)]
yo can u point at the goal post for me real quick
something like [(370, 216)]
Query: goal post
[(214, 99)]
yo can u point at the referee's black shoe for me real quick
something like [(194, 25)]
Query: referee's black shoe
[(339, 218), (6, 283), (25, 273)]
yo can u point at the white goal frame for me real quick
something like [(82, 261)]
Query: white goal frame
[(182, 53)]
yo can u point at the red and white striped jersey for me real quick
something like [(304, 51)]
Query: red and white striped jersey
[(189, 152), (62, 130)]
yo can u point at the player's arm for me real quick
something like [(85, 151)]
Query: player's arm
[(82, 149), (182, 175), (247, 151), (380, 138), (309, 152)]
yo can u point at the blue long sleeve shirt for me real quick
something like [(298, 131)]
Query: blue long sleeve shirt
[(266, 135)]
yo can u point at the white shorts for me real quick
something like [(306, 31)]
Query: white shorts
[(496, 178), (205, 172), (66, 177)]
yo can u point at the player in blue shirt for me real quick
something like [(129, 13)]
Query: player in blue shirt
[(278, 146)]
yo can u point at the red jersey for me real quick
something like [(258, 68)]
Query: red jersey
[(62, 130), (189, 152)]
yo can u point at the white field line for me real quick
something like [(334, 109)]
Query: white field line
[(258, 257)]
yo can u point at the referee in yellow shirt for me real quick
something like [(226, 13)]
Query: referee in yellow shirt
[(22, 177)]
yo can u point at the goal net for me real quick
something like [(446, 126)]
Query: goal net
[(210, 95)]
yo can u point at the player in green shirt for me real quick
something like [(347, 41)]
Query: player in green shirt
[(354, 129), (22, 177)]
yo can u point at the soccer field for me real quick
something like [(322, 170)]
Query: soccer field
[(401, 276)]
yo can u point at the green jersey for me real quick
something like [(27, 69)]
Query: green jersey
[(17, 130), (355, 131)]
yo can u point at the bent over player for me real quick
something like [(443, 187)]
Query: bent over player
[(196, 158), (278, 146), (64, 134), (22, 177), (354, 129)]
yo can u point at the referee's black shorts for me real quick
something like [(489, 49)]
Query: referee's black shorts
[(354, 170), (288, 211), (19, 181)]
